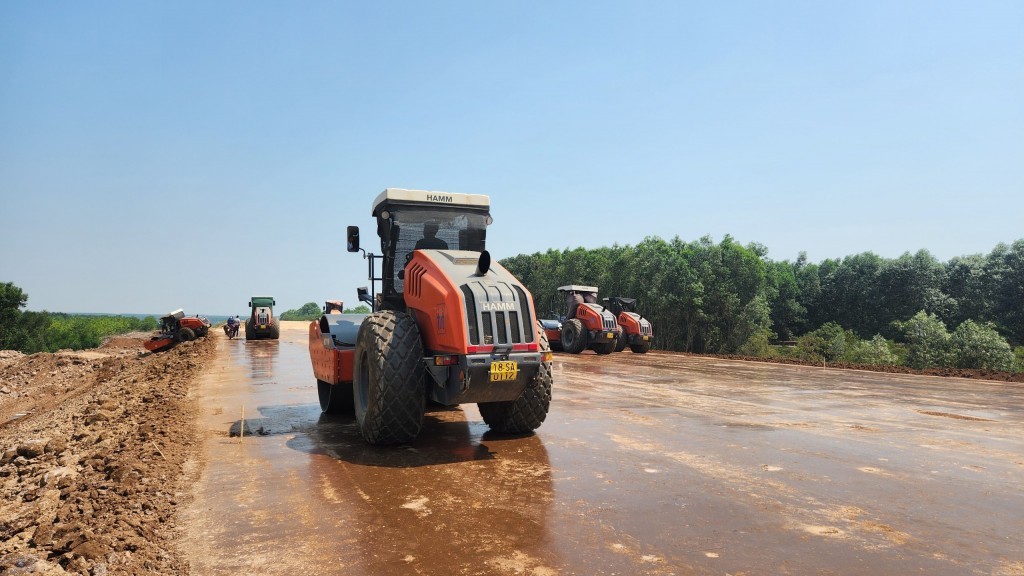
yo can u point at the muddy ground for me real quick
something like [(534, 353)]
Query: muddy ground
[(99, 451), (98, 448)]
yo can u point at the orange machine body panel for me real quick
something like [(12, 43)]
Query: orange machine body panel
[(194, 323), (157, 343), (437, 304), (629, 323), (330, 363), (591, 320)]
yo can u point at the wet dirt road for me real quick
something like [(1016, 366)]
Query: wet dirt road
[(656, 464)]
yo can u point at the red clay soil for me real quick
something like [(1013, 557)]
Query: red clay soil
[(948, 372), (97, 449)]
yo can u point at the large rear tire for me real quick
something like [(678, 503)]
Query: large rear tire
[(186, 334), (336, 398), (604, 347), (640, 348), (250, 330), (388, 378), (574, 337), (275, 329), (526, 413)]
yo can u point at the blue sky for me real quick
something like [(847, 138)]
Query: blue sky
[(158, 155)]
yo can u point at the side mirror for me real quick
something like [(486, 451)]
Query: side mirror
[(353, 238), (250, 304)]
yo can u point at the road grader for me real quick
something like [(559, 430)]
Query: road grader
[(449, 326)]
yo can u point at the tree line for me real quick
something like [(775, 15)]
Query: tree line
[(31, 332), (725, 297), (312, 311)]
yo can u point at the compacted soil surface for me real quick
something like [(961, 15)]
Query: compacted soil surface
[(97, 449), (651, 464)]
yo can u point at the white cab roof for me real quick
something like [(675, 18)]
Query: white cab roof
[(577, 288), (431, 197)]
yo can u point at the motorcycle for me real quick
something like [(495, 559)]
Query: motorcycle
[(231, 330)]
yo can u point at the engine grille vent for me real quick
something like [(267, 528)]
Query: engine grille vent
[(414, 280), (504, 316), (608, 320), (524, 302)]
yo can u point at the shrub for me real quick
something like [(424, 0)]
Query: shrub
[(980, 346), (927, 339), (829, 342), (876, 352), (757, 345)]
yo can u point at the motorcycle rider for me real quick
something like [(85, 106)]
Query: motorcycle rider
[(233, 324)]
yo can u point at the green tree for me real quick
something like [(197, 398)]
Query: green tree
[(850, 295), (980, 346), (788, 315), (12, 300), (361, 309), (967, 287), (906, 285), (1005, 288), (308, 311), (704, 296), (927, 339), (753, 332)]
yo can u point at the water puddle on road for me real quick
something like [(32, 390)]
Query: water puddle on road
[(654, 465), (292, 491)]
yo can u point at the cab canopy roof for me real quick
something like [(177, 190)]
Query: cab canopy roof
[(577, 288), (427, 197), (626, 301), (261, 301), (177, 314)]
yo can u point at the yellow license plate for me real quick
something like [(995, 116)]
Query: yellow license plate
[(504, 370), (611, 335), (263, 326)]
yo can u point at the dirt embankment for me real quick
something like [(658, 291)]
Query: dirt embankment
[(977, 374), (96, 452)]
